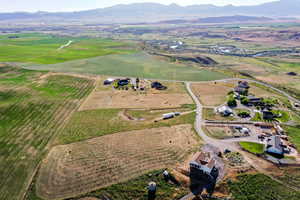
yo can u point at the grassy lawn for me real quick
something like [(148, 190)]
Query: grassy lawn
[(44, 49), (94, 123), (217, 132), (209, 114), (285, 115), (134, 65), (260, 187), (294, 134), (32, 112), (252, 147)]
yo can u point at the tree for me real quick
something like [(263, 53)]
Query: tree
[(231, 101), (244, 100)]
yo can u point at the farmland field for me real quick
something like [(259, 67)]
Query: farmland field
[(212, 94), (134, 189), (134, 65), (107, 97), (93, 123), (260, 187), (77, 168), (47, 49), (32, 111)]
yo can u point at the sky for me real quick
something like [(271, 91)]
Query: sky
[(76, 5)]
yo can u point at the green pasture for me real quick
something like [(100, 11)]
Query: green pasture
[(133, 189), (45, 49), (294, 134), (94, 123), (134, 65), (260, 187)]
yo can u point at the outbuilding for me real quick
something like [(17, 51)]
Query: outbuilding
[(274, 146), (225, 110)]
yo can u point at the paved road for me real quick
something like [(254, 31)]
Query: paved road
[(222, 144)]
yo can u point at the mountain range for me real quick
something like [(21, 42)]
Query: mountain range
[(153, 12)]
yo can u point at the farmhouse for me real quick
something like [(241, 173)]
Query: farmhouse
[(240, 91), (243, 84), (202, 162), (242, 88), (274, 146), (225, 110), (203, 173)]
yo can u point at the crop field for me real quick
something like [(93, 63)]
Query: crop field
[(260, 187), (134, 65), (78, 168), (212, 94), (32, 112), (49, 49), (107, 97)]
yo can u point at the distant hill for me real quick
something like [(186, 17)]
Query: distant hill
[(224, 19), (153, 12)]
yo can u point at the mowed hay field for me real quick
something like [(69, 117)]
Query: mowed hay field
[(47, 49), (108, 97), (32, 111), (74, 169), (212, 94), (94, 123), (134, 65)]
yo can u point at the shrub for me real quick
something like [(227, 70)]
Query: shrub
[(244, 114)]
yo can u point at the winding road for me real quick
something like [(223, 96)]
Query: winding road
[(231, 144)]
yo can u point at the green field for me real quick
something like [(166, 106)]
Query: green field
[(260, 187), (94, 123), (134, 65), (44, 49), (32, 112), (252, 147), (294, 134)]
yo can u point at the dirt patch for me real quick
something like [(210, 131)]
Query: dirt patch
[(70, 170), (89, 198), (212, 94), (107, 97), (44, 77)]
